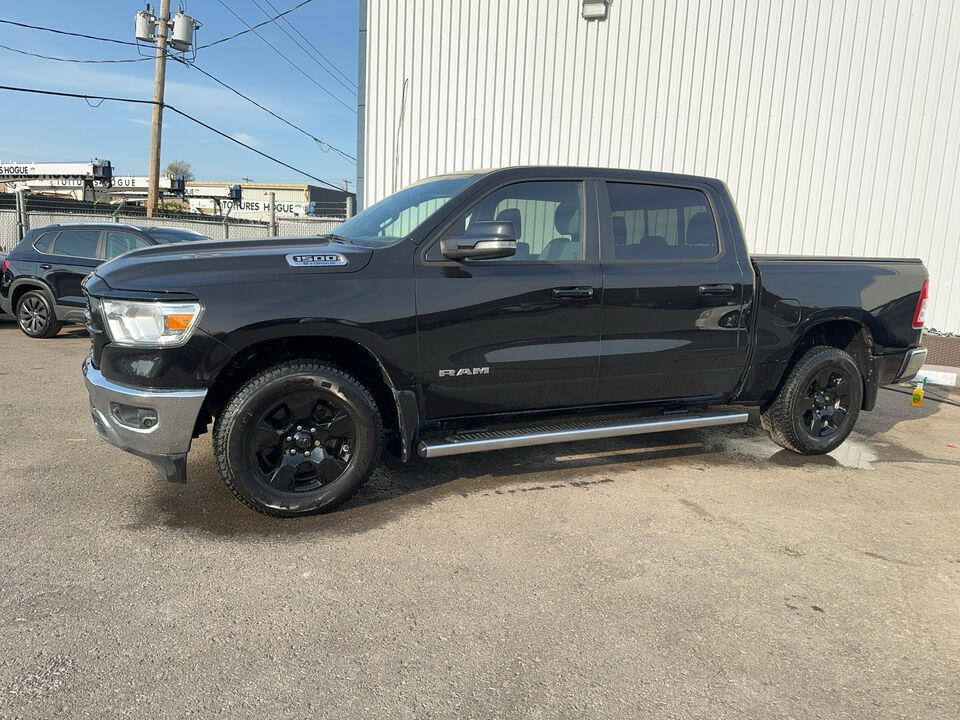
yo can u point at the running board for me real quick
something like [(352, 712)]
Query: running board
[(471, 442)]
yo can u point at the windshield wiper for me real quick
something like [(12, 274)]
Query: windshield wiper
[(338, 238)]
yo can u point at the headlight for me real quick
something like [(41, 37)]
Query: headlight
[(146, 323)]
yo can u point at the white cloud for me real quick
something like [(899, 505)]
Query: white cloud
[(144, 122), (248, 139)]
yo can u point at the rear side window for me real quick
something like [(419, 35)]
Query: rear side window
[(119, 242), (77, 243), (654, 222), (43, 242)]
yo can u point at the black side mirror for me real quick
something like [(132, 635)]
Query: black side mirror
[(483, 240)]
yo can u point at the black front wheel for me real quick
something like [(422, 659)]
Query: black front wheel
[(818, 405), (36, 315), (299, 438)]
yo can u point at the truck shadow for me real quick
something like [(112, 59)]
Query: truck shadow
[(395, 489)]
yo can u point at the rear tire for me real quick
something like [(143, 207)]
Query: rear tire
[(36, 315), (298, 439), (819, 403)]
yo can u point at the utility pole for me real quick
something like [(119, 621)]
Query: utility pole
[(273, 214), (153, 191), (346, 184)]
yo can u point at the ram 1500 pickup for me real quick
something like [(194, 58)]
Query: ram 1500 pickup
[(480, 311)]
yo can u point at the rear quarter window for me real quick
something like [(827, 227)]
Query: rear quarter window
[(42, 243)]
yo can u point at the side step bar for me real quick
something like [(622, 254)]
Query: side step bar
[(472, 442)]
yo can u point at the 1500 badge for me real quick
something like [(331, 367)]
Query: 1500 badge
[(315, 259)]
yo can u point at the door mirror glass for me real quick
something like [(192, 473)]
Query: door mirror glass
[(483, 240)]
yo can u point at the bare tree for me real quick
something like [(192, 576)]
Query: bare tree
[(180, 167)]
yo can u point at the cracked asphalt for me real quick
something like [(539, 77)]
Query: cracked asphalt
[(703, 574)]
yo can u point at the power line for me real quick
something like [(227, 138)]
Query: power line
[(136, 101), (267, 110), (348, 88), (72, 60), (252, 29), (71, 34), (291, 62), (307, 41)]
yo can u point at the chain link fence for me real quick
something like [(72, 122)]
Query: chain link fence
[(221, 228), (8, 230)]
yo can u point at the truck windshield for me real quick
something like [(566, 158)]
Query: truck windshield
[(396, 216)]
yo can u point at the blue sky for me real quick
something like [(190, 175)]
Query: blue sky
[(47, 129)]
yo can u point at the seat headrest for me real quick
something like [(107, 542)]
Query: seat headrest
[(619, 230), (566, 218), (701, 231), (649, 247), (511, 215)]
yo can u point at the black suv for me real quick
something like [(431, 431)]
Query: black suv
[(40, 280)]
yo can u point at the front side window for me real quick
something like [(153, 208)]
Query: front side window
[(77, 243), (120, 242), (655, 222), (547, 219)]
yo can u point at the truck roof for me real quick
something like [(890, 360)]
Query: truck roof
[(570, 170)]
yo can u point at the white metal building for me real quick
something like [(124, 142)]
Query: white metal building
[(835, 123)]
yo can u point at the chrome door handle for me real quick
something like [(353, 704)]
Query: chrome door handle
[(718, 289), (573, 293), (45, 266)]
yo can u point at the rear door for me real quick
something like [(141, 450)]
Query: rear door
[(673, 321), (73, 255), (515, 333)]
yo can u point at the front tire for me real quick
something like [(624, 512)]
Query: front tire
[(819, 403), (298, 439), (36, 315)]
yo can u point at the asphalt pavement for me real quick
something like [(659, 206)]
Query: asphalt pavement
[(702, 574)]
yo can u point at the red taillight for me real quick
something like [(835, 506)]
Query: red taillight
[(921, 306), (6, 264)]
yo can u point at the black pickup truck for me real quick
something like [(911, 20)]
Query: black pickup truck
[(481, 311)]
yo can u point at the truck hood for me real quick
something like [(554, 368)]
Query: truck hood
[(187, 266)]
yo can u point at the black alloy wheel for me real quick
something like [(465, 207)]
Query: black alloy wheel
[(825, 404), (301, 442), (298, 438), (818, 404), (36, 316)]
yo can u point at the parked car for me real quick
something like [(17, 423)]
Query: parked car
[(482, 311), (40, 278)]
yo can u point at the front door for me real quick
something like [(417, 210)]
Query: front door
[(673, 321), (515, 333)]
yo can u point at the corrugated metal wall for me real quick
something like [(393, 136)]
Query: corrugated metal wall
[(835, 123)]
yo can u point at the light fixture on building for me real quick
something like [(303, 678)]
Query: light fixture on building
[(595, 9)]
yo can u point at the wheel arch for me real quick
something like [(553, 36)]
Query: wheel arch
[(22, 286), (845, 333), (398, 407)]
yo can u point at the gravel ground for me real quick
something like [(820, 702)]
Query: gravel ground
[(704, 574)]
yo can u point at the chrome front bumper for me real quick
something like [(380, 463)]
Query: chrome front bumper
[(163, 438), (912, 363)]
